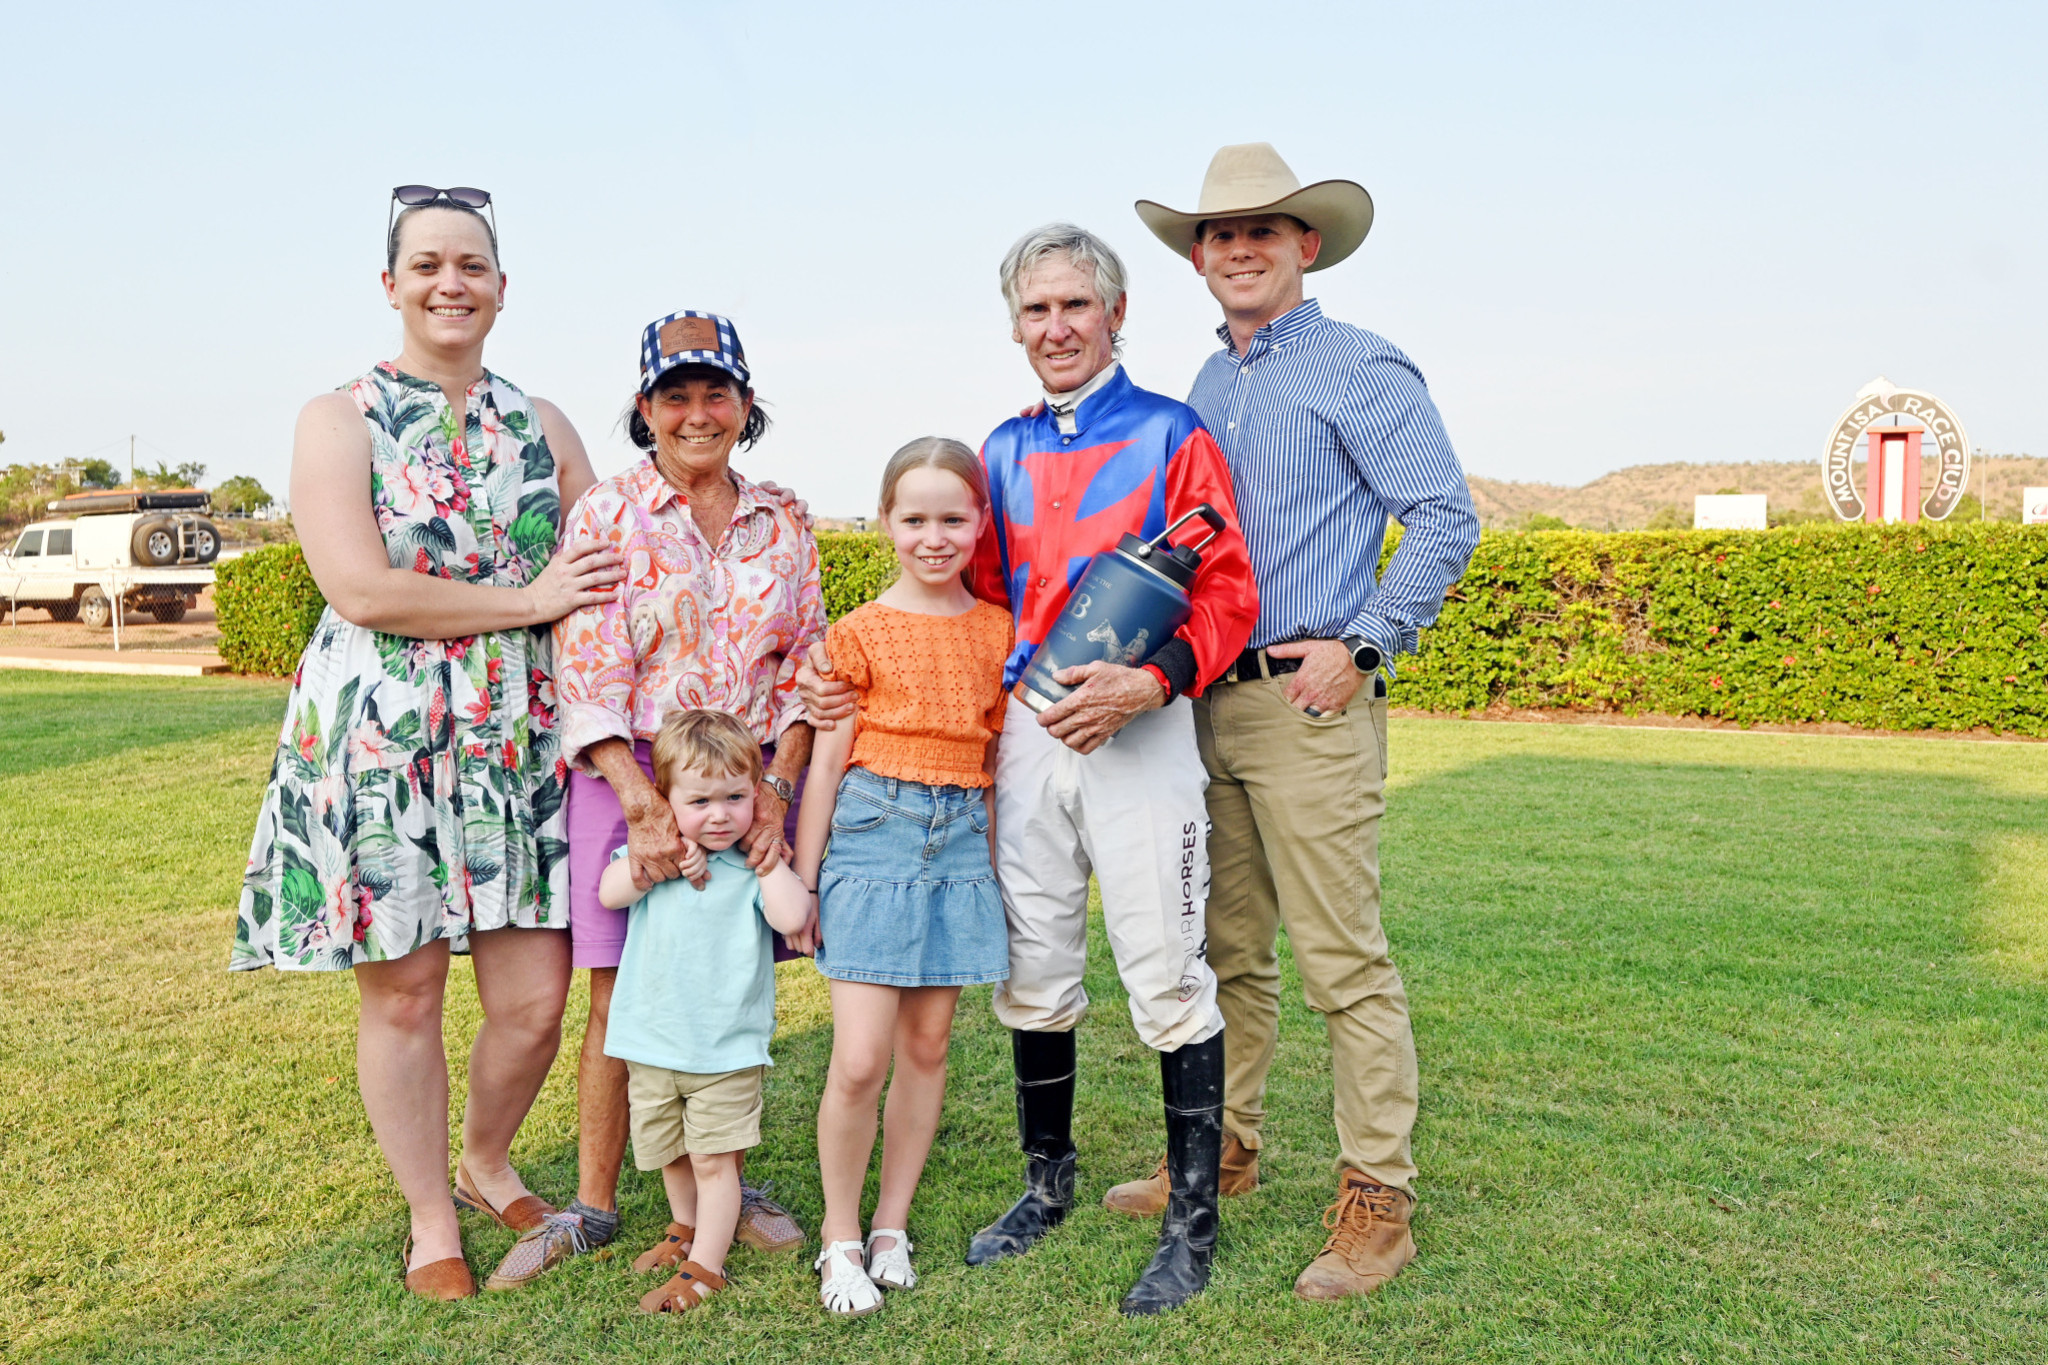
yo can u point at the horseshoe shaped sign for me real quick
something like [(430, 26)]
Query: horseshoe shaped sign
[(1943, 430)]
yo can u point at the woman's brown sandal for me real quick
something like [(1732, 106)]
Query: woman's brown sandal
[(446, 1279), (672, 1249), (527, 1211), (691, 1286)]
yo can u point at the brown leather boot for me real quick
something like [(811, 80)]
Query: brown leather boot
[(1147, 1198), (1369, 1240)]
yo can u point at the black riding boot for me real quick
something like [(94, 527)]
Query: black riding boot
[(1045, 1125), (1192, 1078)]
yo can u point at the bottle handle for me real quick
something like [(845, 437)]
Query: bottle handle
[(1206, 513)]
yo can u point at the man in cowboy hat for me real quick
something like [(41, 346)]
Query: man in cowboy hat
[(1328, 431)]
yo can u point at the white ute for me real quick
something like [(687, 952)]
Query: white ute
[(151, 551)]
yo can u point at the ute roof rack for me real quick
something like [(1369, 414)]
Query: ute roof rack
[(135, 500)]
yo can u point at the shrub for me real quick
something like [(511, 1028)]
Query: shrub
[(856, 566), (267, 605), (1937, 627), (1934, 627)]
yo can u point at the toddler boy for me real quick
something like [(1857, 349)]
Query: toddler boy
[(694, 1004)]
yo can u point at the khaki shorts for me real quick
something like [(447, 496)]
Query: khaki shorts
[(675, 1112)]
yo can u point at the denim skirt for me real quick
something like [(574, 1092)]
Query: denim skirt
[(907, 896)]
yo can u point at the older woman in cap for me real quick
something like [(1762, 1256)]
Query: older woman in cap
[(722, 598)]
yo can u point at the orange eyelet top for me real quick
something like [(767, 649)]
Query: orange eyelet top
[(930, 689)]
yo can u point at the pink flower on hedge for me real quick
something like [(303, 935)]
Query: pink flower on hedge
[(1788, 661), (1715, 682)]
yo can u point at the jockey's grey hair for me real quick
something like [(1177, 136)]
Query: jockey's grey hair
[(1082, 248)]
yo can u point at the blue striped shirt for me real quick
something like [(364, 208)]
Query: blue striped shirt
[(1329, 430)]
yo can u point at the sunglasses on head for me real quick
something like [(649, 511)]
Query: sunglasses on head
[(414, 196)]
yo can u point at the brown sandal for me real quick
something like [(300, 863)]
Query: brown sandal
[(680, 1294), (669, 1250), (446, 1279), (525, 1212)]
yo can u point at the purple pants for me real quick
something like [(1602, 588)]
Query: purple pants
[(597, 825)]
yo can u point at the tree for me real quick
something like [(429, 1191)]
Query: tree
[(98, 474), (1668, 518), (187, 475), (1543, 521), (241, 495)]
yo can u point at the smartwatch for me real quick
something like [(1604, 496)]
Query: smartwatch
[(781, 786), (1365, 655)]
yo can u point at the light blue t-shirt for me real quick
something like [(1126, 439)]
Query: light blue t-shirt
[(696, 984)]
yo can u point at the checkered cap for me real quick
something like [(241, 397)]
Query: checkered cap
[(690, 338)]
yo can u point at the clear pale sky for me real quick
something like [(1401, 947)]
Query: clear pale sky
[(1607, 234)]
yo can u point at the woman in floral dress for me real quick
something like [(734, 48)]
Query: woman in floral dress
[(415, 802)]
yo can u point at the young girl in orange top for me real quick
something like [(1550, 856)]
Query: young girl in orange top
[(907, 905)]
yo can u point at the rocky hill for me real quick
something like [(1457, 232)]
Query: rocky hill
[(1633, 497)]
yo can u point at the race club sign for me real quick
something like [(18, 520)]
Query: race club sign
[(1897, 423)]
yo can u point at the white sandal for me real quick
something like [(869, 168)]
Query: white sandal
[(844, 1288), (890, 1267)]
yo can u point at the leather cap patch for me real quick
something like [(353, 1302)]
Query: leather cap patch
[(689, 334)]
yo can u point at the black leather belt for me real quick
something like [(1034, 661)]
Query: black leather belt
[(1257, 663)]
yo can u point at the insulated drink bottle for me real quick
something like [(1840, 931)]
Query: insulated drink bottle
[(1127, 603)]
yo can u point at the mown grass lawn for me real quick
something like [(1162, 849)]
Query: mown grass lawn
[(1732, 1049)]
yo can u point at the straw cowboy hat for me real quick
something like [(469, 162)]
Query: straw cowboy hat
[(1250, 178)]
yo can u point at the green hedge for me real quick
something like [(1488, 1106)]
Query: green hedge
[(1898, 627), (267, 605), (856, 566), (1891, 627)]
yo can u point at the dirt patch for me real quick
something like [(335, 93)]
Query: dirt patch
[(1614, 719), (32, 627)]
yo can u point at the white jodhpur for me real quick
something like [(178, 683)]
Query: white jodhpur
[(1132, 812)]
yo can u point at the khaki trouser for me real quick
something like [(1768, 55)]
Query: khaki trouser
[(1294, 804)]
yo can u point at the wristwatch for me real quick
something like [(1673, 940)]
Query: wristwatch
[(1365, 655), (781, 786)]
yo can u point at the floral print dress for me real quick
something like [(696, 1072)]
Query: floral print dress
[(417, 789)]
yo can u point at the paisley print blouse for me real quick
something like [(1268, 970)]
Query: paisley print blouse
[(695, 625)]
